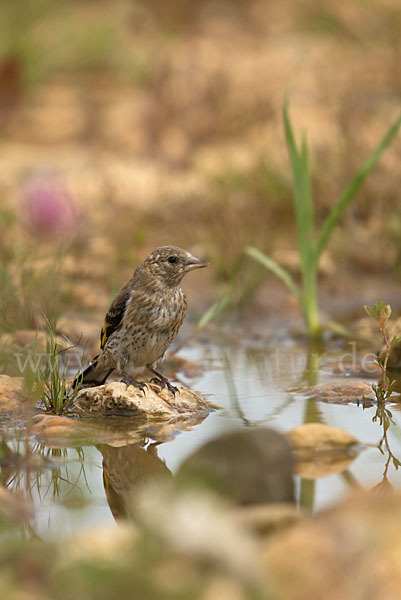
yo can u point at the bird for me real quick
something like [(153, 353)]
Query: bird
[(143, 319)]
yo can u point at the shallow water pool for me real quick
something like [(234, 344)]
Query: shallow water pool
[(255, 384)]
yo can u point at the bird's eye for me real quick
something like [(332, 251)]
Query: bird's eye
[(172, 259)]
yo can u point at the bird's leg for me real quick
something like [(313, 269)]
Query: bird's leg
[(162, 380), (128, 380)]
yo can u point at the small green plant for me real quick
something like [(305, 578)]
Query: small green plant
[(381, 312), (52, 379), (312, 244)]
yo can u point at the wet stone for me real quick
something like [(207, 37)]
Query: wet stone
[(153, 402), (317, 436), (340, 392), (248, 467), (321, 450)]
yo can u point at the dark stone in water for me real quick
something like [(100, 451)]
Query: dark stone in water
[(251, 466)]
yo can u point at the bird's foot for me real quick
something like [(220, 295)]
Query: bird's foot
[(172, 388), (164, 382), (128, 380)]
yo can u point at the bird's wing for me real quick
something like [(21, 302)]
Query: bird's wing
[(115, 314)]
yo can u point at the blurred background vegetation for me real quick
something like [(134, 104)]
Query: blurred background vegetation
[(128, 125)]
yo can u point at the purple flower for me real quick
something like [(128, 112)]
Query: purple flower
[(48, 209)]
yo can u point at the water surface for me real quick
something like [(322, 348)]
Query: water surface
[(255, 384)]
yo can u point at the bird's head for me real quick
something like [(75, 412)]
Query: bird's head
[(169, 264)]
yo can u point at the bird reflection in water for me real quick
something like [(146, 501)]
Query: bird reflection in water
[(126, 469), (244, 466)]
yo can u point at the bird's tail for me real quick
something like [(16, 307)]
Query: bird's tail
[(95, 373)]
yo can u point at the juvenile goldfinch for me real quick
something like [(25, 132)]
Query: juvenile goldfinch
[(143, 319)]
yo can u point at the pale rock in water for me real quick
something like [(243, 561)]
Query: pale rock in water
[(154, 402)]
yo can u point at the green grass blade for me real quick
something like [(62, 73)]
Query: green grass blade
[(295, 162), (338, 209), (306, 194), (271, 264), (214, 310), (300, 171), (302, 194)]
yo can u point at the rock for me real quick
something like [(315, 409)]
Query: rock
[(340, 393), (250, 466), (349, 552), (154, 402), (321, 450), (317, 436), (12, 396)]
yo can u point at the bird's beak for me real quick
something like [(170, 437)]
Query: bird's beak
[(195, 263)]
